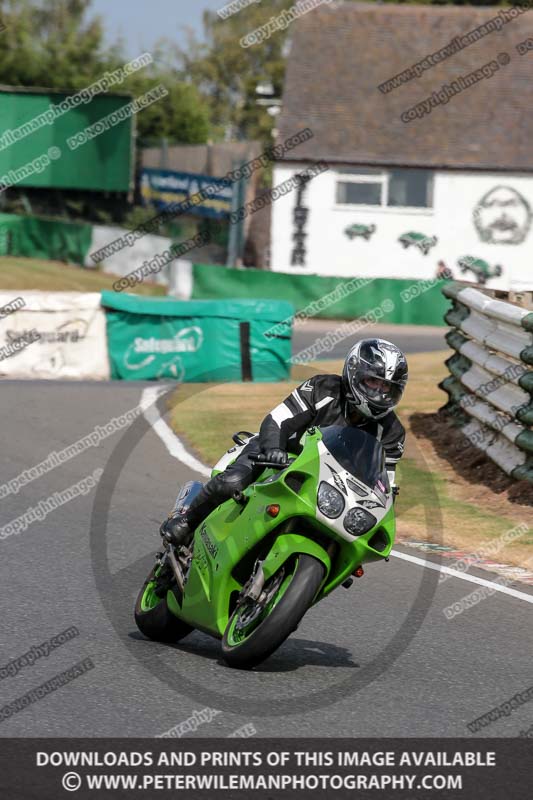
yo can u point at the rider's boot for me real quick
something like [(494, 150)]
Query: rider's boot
[(179, 527), (176, 529)]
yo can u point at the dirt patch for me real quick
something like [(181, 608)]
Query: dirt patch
[(469, 463)]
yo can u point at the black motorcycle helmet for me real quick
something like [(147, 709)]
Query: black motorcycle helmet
[(374, 377)]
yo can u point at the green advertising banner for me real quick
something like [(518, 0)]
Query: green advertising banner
[(155, 338), (405, 301), (34, 151)]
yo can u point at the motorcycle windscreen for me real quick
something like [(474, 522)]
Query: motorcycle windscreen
[(358, 452)]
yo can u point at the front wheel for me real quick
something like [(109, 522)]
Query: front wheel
[(255, 630), (152, 615)]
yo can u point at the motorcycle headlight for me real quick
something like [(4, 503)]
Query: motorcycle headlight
[(358, 521), (330, 501)]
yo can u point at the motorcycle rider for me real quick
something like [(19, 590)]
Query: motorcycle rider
[(372, 383)]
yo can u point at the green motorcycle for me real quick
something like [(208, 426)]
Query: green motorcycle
[(261, 559)]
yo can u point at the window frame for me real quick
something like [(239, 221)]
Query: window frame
[(383, 177)]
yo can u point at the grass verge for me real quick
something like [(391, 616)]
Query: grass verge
[(206, 415), (19, 274)]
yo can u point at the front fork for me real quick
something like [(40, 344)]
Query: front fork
[(177, 565), (253, 588)]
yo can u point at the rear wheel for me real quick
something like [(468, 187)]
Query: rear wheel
[(255, 630), (152, 614)]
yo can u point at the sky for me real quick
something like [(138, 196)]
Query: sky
[(142, 22)]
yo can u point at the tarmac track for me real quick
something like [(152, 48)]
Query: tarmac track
[(410, 338), (379, 659)]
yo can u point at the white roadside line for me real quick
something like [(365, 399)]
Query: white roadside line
[(166, 434), (176, 448), (470, 578)]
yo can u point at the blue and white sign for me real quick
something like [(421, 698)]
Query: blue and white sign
[(198, 194)]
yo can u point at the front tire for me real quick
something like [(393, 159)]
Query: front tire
[(246, 645), (152, 615)]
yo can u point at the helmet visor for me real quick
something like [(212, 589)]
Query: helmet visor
[(378, 391)]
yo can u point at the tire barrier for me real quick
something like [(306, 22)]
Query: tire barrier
[(490, 386)]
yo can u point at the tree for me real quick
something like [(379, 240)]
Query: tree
[(50, 44), (182, 116), (227, 74)]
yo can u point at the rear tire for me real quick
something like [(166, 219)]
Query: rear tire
[(283, 618), (153, 617)]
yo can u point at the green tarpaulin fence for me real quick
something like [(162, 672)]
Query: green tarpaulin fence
[(415, 302), (42, 238), (154, 338), (36, 151)]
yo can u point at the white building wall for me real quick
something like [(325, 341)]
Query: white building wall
[(456, 201)]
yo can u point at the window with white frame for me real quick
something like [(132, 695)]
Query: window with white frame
[(391, 188)]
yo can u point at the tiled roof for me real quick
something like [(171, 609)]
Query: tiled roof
[(341, 52)]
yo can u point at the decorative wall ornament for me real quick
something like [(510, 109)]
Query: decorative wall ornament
[(479, 267), (420, 240), (365, 231), (502, 216), (299, 215)]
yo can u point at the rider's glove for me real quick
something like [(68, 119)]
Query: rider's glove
[(276, 456)]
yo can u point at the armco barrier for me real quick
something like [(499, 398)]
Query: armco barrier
[(154, 338), (415, 302), (490, 387)]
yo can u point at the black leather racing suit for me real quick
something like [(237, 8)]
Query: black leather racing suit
[(318, 401)]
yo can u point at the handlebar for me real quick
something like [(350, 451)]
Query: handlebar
[(260, 461)]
